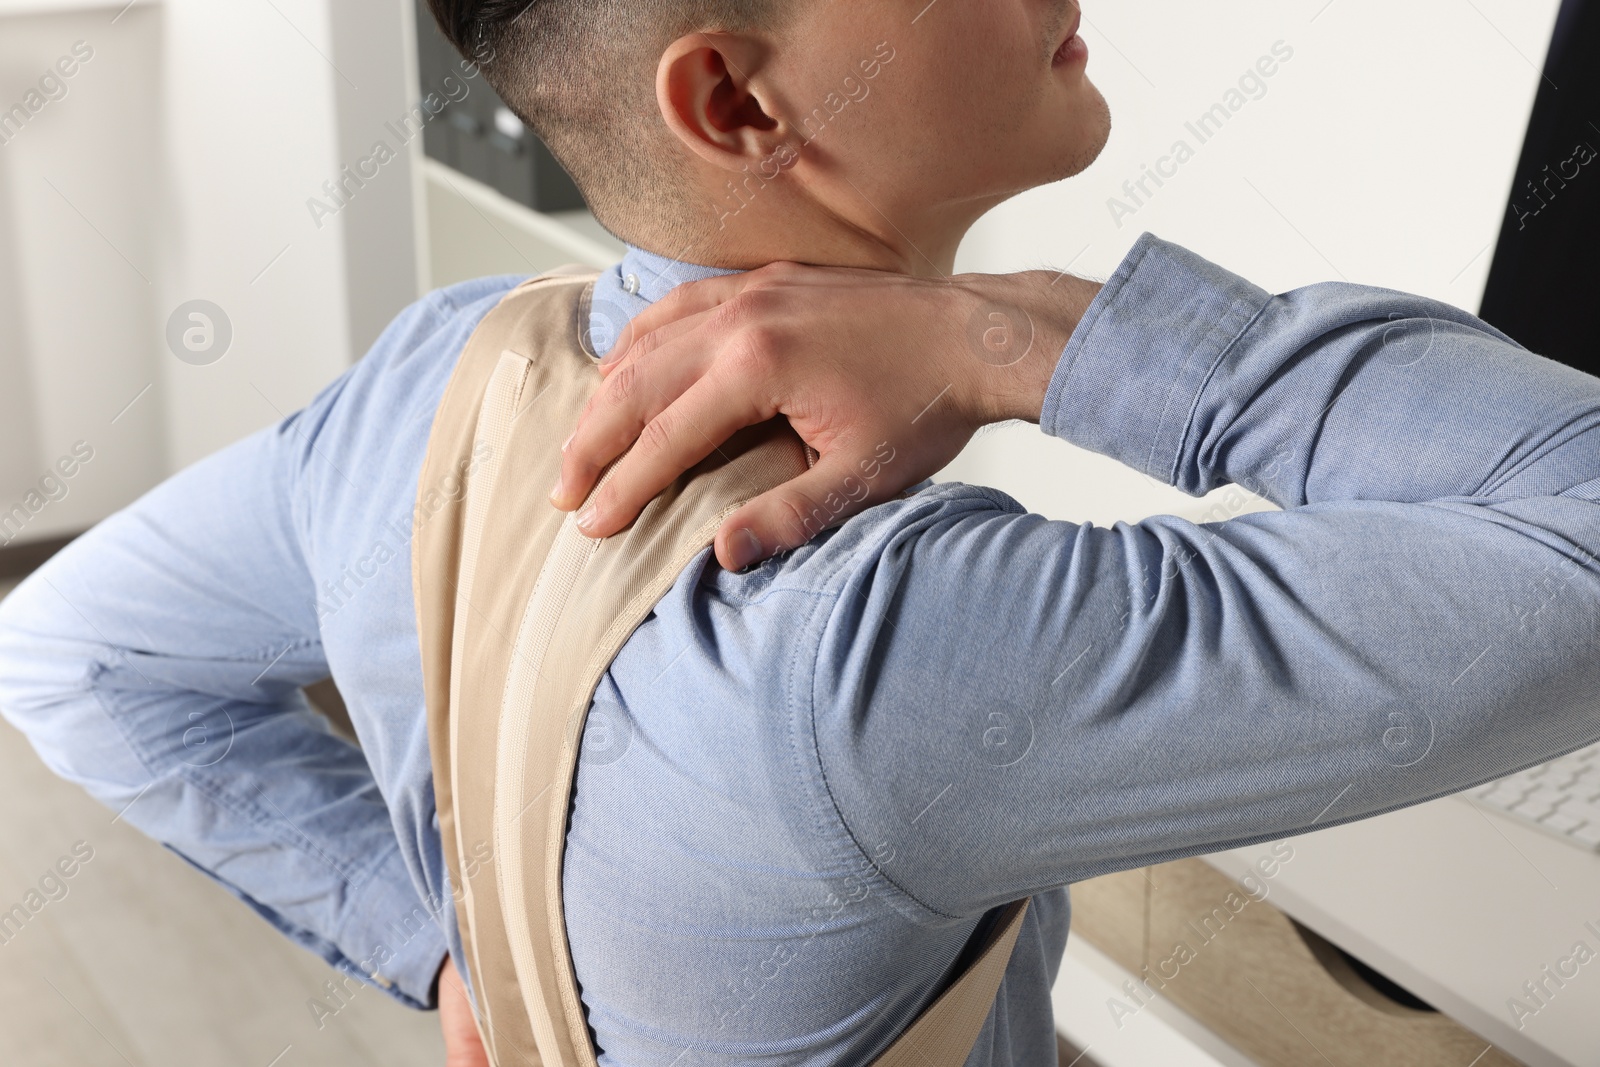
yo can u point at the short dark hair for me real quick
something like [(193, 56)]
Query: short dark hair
[(581, 74)]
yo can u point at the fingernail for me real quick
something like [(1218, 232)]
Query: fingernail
[(558, 491), (743, 547), (568, 442), (619, 347), (586, 518)]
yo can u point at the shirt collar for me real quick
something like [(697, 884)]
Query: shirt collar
[(628, 288)]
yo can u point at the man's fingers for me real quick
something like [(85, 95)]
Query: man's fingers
[(463, 1046), (707, 294), (793, 513), (690, 298), (634, 394), (685, 433), (642, 344)]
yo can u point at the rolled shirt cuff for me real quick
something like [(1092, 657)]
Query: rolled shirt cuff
[(1130, 377), (391, 939)]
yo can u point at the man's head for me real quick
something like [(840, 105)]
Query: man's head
[(735, 132)]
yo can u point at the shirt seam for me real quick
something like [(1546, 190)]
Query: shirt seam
[(838, 816), (1205, 383)]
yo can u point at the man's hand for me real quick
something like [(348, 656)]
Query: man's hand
[(462, 1046), (886, 376)]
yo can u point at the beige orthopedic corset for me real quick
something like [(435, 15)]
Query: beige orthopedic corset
[(519, 616)]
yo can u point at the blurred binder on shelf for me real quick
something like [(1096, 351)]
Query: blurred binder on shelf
[(478, 135)]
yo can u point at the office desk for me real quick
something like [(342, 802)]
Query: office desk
[(1461, 906)]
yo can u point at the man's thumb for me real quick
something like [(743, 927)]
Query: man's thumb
[(793, 513)]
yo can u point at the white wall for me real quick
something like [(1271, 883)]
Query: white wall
[(474, 230), (268, 102), (374, 44), (78, 261), (178, 166), (1382, 152)]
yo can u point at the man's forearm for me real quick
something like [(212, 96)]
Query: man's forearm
[(1190, 374), (157, 661)]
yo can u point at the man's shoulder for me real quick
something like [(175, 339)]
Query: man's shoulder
[(454, 310), (885, 535), (405, 369)]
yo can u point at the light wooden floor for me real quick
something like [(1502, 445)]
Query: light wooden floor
[(147, 963)]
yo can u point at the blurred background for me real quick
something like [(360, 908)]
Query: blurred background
[(210, 210)]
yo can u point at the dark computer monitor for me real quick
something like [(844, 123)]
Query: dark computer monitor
[(1544, 283)]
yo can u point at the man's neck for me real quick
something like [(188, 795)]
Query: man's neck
[(930, 252), (748, 228), (766, 231)]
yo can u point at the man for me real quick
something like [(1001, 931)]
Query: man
[(807, 785)]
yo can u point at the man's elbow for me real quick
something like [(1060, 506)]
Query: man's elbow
[(50, 677)]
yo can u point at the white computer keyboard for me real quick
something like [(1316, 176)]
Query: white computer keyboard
[(1561, 797)]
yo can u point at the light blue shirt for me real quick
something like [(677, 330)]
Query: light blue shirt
[(804, 787)]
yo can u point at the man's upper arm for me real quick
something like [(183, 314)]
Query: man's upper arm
[(1012, 703)]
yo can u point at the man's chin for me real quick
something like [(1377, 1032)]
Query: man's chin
[(1094, 115), (1078, 155)]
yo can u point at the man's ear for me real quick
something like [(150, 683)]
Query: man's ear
[(703, 87)]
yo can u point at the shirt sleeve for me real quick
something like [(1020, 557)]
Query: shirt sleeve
[(157, 661), (1004, 704)]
